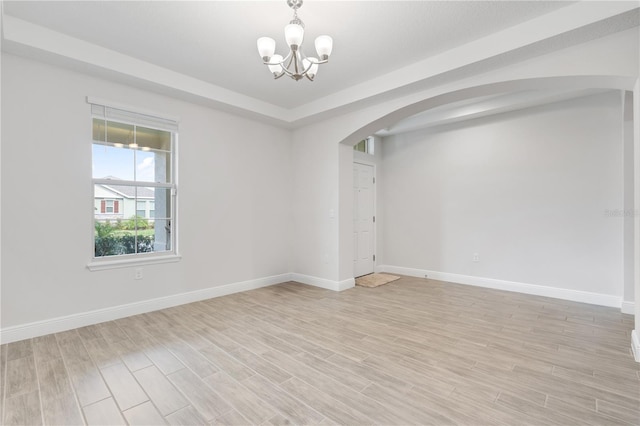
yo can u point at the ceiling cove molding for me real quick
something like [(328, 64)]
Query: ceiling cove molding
[(23, 37), (526, 34), (27, 39)]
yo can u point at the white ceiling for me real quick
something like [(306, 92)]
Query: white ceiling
[(205, 51), (215, 41)]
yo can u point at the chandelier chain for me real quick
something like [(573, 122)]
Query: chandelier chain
[(295, 19)]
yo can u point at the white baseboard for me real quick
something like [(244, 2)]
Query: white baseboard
[(538, 290), (55, 325), (628, 308), (635, 345), (323, 282), (346, 284)]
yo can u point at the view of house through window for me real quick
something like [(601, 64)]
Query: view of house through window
[(134, 203)]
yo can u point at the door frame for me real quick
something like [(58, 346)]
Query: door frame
[(375, 210)]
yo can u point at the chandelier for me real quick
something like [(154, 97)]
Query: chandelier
[(296, 65)]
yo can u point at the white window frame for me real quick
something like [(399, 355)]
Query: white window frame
[(111, 111)]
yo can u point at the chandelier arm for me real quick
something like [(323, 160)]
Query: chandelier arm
[(296, 59), (287, 58), (276, 75), (292, 57), (307, 69), (282, 65), (318, 62), (311, 63), (269, 62)]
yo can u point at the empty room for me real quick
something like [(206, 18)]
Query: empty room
[(320, 212)]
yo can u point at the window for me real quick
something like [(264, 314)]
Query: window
[(141, 209), (109, 206), (365, 145), (134, 184)]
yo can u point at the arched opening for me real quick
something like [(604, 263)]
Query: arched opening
[(601, 84), (502, 87)]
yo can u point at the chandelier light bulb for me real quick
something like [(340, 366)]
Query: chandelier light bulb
[(275, 66), (311, 65), (294, 35), (266, 47), (324, 46)]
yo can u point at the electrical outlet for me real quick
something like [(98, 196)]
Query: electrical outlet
[(476, 257), (138, 275)]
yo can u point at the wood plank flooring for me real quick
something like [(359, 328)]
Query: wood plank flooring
[(414, 351)]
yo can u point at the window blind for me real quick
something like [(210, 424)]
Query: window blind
[(104, 111)]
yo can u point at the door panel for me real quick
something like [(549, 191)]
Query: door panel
[(363, 224)]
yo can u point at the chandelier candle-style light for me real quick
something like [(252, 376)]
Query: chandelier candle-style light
[(296, 65)]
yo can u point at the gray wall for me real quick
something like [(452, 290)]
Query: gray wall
[(234, 192), (528, 191)]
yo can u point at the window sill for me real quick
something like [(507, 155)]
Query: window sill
[(102, 265)]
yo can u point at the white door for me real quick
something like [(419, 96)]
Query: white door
[(363, 219)]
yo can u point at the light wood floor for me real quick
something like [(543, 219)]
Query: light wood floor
[(409, 352)]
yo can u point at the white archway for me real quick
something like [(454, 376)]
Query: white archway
[(543, 83), (387, 118)]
